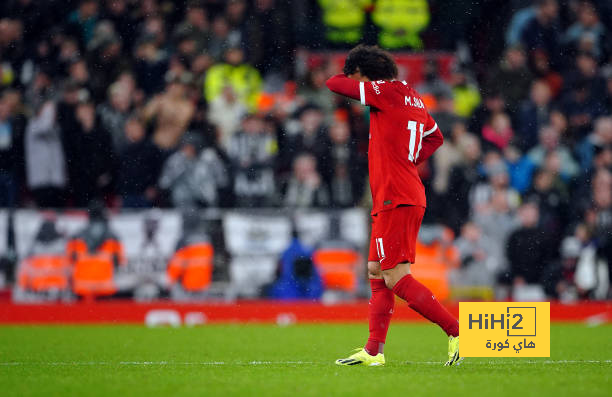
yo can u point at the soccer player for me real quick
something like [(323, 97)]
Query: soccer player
[(402, 135)]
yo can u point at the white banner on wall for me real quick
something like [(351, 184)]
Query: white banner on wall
[(355, 226), (247, 234), (313, 227), (128, 227)]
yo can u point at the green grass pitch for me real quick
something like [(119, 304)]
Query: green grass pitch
[(266, 360)]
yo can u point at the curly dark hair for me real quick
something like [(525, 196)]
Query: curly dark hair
[(372, 62)]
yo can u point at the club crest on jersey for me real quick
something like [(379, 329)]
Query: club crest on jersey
[(414, 102)]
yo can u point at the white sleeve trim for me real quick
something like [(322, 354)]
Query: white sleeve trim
[(362, 92), (435, 127)]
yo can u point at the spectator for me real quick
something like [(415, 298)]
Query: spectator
[(473, 248), (581, 107), (221, 39), (498, 181), (519, 20), (252, 152), (307, 135), (114, 113), (496, 221), (558, 278), (104, 54), (225, 112), (540, 64), (171, 111), (528, 238), (150, 66), (512, 78), (498, 131), (92, 159), (195, 25), (433, 84), (82, 21), (448, 156), (123, 21), (463, 177), (551, 196), (493, 103), (345, 167), (549, 143), (270, 51), (314, 90), (12, 126), (465, 92), (445, 115), (587, 33), (533, 115), (46, 172), (138, 167), (599, 139), (543, 31), (193, 175), (305, 188)]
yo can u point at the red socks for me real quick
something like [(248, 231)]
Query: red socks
[(421, 300), (379, 313)]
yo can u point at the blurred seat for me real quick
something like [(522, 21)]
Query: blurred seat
[(93, 275), (249, 274), (337, 267), (44, 273), (192, 266)]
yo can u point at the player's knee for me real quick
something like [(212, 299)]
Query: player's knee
[(374, 270), (389, 280), (393, 275)]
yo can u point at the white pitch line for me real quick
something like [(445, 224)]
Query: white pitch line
[(519, 361), (467, 362), (144, 363)]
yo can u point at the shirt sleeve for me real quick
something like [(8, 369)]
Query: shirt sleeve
[(368, 93), (432, 140)]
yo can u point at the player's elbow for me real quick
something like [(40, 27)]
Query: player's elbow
[(331, 83), (439, 139)]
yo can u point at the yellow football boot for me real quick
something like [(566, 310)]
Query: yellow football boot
[(453, 352), (361, 357)]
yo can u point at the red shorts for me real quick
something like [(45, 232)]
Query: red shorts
[(394, 235)]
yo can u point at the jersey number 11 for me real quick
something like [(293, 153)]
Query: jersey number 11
[(414, 134)]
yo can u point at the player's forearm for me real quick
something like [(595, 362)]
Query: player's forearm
[(340, 84), (431, 143)]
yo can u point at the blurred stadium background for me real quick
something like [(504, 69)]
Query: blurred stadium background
[(188, 151)]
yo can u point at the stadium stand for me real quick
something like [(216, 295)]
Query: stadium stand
[(195, 109)]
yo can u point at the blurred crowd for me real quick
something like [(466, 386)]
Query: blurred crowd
[(212, 103)]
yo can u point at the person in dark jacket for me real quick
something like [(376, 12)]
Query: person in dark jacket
[(528, 249), (92, 160), (139, 167), (12, 128)]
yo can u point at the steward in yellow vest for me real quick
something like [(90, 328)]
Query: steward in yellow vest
[(344, 20), (243, 78), (400, 22)]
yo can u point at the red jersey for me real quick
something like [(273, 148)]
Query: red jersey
[(402, 135)]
